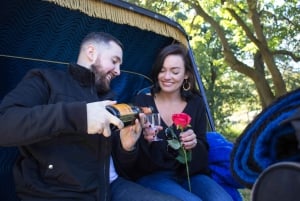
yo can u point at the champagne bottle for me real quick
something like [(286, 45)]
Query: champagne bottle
[(127, 113)]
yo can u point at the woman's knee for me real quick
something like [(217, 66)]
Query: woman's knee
[(208, 189)]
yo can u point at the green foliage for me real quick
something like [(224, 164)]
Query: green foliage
[(174, 143), (229, 91), (246, 194)]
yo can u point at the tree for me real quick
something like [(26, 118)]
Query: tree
[(257, 37), (253, 21)]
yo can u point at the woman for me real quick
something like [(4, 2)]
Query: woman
[(174, 91)]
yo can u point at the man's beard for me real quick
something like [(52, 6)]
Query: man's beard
[(101, 83)]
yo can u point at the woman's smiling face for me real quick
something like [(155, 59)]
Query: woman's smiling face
[(172, 74)]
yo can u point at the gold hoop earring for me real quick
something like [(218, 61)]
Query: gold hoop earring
[(186, 85)]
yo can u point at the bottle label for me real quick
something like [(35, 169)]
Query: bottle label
[(124, 109), (127, 113)]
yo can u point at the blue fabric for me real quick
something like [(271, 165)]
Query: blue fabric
[(124, 190), (56, 37), (219, 164), (266, 141), (203, 187)]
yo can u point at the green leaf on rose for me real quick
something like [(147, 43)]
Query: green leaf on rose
[(181, 157), (174, 143)]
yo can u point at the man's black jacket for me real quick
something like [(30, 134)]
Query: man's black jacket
[(45, 116)]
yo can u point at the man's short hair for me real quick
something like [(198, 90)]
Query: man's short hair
[(101, 37)]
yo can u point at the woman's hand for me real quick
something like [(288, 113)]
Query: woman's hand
[(189, 139), (130, 134), (150, 133)]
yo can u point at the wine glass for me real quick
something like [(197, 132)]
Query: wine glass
[(154, 120)]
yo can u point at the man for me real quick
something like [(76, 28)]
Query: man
[(59, 122)]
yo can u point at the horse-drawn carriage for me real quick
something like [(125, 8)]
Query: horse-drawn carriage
[(47, 34)]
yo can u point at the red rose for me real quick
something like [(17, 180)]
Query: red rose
[(181, 120)]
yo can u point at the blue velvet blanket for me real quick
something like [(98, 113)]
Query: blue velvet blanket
[(219, 164), (266, 140)]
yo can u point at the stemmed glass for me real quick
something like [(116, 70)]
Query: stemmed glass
[(154, 120)]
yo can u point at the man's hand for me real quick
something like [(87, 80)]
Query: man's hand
[(99, 119)]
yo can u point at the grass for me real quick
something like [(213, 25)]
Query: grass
[(246, 193)]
